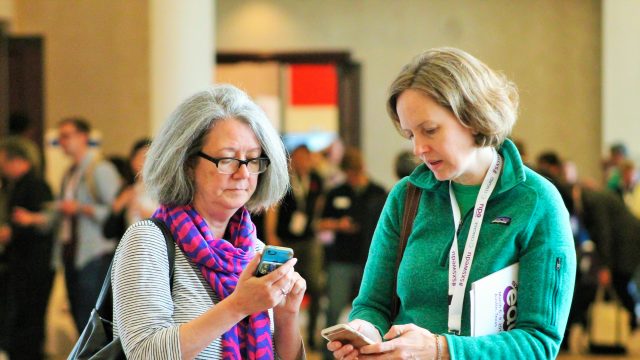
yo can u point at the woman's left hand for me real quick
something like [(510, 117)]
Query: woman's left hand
[(404, 342), (294, 294)]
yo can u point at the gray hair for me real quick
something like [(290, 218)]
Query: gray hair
[(169, 164), (483, 100)]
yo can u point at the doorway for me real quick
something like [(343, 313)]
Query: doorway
[(311, 97)]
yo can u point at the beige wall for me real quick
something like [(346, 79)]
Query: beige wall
[(621, 75), (97, 59), (6, 10), (96, 63), (551, 49)]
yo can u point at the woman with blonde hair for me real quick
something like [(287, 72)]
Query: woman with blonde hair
[(480, 210)]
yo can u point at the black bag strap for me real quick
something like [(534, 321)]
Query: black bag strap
[(171, 250), (411, 201), (104, 304)]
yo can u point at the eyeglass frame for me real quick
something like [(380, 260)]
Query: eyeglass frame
[(240, 162)]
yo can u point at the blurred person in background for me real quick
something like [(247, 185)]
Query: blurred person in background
[(28, 250), (88, 189), (350, 213), (327, 164), (5, 236), (606, 234), (628, 178), (405, 163), (549, 165), (616, 234), (133, 202), (291, 224), (21, 129), (618, 152)]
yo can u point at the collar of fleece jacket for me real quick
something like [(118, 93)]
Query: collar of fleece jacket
[(513, 172)]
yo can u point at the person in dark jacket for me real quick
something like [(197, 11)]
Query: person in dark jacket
[(290, 224), (28, 251), (350, 214), (616, 234)]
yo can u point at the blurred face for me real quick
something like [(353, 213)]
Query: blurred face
[(72, 141), (137, 161), (440, 140), (301, 161), (13, 168), (217, 192)]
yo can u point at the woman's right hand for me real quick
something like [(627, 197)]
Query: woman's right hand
[(254, 294), (347, 351)]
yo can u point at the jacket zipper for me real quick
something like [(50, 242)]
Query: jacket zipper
[(556, 290), (444, 256)]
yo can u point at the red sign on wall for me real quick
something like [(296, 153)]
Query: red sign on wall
[(313, 85)]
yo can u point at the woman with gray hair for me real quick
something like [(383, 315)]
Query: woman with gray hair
[(216, 158), (479, 210)]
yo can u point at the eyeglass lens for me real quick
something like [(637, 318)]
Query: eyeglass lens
[(230, 166)]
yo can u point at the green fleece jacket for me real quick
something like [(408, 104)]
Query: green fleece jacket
[(538, 235)]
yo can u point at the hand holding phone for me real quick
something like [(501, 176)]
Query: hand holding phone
[(346, 335), (272, 258)]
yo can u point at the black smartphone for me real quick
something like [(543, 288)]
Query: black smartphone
[(272, 258)]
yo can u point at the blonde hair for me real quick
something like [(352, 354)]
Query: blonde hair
[(484, 101)]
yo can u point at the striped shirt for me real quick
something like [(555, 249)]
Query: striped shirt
[(146, 313)]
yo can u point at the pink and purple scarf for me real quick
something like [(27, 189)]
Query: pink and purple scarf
[(221, 261)]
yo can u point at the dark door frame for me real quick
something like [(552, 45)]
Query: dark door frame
[(4, 80), (26, 82), (348, 81)]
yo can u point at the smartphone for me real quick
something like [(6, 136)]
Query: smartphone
[(346, 335), (272, 258)]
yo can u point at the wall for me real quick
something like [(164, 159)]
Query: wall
[(551, 49), (96, 63), (621, 75), (181, 53), (6, 10)]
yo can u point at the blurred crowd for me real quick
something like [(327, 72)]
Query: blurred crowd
[(605, 219), (327, 218)]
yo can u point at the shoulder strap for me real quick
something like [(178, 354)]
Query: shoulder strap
[(104, 304), (411, 201), (171, 250)]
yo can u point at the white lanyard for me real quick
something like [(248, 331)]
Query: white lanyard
[(300, 187), (458, 276)]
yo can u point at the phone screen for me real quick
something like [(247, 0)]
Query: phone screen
[(272, 258)]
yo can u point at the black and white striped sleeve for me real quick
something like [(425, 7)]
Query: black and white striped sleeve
[(142, 304)]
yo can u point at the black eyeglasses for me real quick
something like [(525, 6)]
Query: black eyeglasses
[(229, 165)]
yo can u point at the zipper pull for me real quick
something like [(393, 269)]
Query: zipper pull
[(558, 263), (459, 227)]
